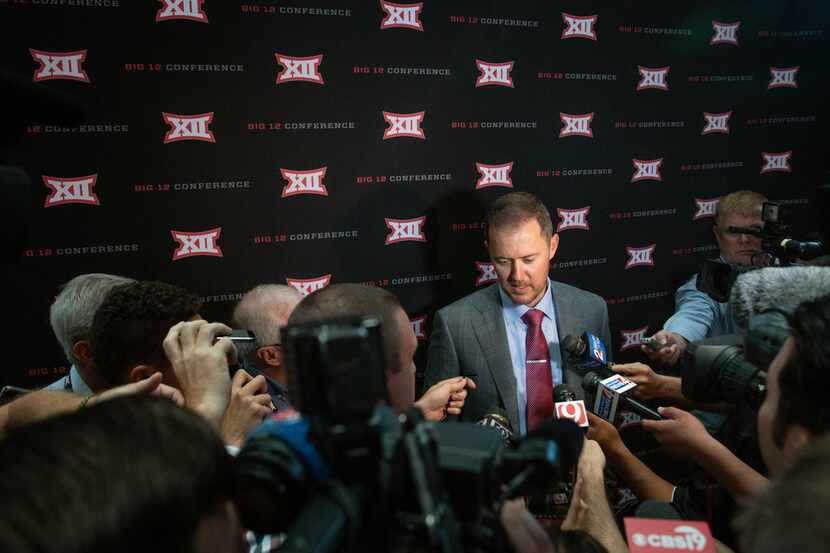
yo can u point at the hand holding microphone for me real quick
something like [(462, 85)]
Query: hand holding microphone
[(610, 392), (445, 398), (679, 432), (665, 347), (567, 406)]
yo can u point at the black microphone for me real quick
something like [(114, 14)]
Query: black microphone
[(497, 418), (588, 351), (574, 345), (566, 405), (563, 392), (590, 383)]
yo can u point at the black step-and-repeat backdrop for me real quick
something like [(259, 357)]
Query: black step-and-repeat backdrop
[(229, 144)]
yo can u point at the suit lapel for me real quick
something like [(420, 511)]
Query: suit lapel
[(566, 319), (492, 338)]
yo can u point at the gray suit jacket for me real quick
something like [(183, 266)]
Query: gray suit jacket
[(469, 339)]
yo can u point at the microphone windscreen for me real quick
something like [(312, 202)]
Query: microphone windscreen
[(781, 288), (571, 344), (497, 418), (564, 392), (590, 382)]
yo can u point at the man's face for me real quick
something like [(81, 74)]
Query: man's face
[(521, 256), (739, 249), (776, 455), (400, 380)]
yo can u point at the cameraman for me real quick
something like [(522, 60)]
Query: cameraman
[(697, 316), (342, 300)]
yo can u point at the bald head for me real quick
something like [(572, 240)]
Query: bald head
[(265, 310)]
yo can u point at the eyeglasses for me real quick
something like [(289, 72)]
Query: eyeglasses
[(738, 231)]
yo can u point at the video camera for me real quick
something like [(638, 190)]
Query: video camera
[(349, 474), (779, 248), (737, 371)]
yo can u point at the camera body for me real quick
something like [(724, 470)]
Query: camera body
[(349, 474), (779, 248)]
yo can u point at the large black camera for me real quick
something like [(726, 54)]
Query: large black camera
[(735, 371), (348, 474), (779, 248)]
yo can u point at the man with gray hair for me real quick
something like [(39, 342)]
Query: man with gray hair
[(71, 318), (265, 310)]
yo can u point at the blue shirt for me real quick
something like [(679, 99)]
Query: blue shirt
[(516, 340), (71, 383), (697, 316)]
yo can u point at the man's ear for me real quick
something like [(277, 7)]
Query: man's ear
[(140, 372), (271, 356), (83, 351), (554, 245), (796, 438)]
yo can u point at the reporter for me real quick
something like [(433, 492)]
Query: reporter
[(790, 514), (134, 474), (697, 316), (341, 300)]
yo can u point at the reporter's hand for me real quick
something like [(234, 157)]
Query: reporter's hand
[(671, 352), (150, 385), (523, 531), (200, 363), (680, 433), (249, 404), (603, 433), (650, 385), (589, 510), (445, 398), (589, 471), (592, 458)]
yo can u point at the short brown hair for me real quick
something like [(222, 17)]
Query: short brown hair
[(349, 299), (743, 202), (515, 208)]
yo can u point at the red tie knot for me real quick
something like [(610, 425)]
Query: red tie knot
[(533, 318)]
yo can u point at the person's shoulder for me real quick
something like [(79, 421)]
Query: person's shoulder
[(576, 294), (484, 298)]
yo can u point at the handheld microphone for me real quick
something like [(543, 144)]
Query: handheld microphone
[(497, 418), (563, 392), (610, 392), (588, 351), (567, 406)]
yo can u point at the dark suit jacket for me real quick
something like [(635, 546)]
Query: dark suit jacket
[(469, 338)]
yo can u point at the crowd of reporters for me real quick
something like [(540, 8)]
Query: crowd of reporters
[(134, 449)]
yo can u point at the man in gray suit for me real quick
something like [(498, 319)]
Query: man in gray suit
[(506, 337)]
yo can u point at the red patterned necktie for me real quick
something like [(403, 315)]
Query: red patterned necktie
[(537, 371)]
